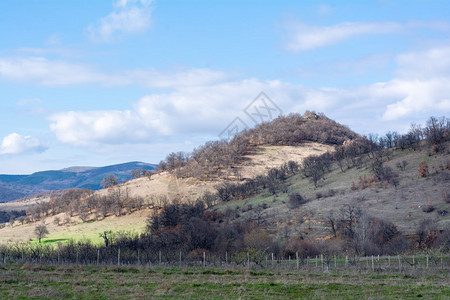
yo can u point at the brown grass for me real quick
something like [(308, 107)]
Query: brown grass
[(161, 184)]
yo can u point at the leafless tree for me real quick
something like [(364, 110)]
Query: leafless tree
[(40, 231), (109, 181)]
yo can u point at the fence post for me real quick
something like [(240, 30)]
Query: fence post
[(296, 257), (180, 258), (389, 260), (373, 266), (138, 258), (98, 256), (399, 263), (321, 261), (346, 261), (248, 260), (272, 259), (118, 257), (204, 259), (159, 256), (226, 257), (317, 261), (335, 262), (427, 261), (58, 256), (22, 254)]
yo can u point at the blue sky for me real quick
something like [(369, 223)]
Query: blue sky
[(104, 82)]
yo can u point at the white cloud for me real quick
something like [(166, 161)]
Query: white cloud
[(423, 80), (128, 17), (431, 63), (202, 108), (42, 71), (187, 110), (307, 37), (304, 37), (15, 143)]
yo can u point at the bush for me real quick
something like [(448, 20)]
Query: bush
[(423, 169), (331, 193), (427, 208), (295, 200), (442, 212)]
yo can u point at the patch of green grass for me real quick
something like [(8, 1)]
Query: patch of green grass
[(106, 282), (50, 241)]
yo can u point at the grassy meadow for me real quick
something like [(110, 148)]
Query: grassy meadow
[(35, 281)]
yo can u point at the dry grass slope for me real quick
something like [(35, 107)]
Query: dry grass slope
[(162, 184)]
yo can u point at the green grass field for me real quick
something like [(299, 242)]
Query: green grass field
[(33, 281)]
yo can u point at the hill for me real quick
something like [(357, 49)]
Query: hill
[(13, 187), (161, 187), (274, 192)]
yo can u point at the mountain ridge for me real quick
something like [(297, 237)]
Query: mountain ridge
[(13, 187)]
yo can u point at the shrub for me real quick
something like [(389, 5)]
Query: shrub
[(295, 200), (331, 193), (402, 165), (442, 212), (427, 208), (423, 169)]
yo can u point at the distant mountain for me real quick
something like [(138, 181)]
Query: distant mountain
[(13, 187)]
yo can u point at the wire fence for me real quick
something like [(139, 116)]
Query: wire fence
[(246, 260)]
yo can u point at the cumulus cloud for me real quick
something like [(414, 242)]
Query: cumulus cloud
[(186, 111), (306, 37), (422, 80), (15, 143), (128, 17), (203, 102), (420, 87)]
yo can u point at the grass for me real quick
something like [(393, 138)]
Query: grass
[(27, 281), (401, 205)]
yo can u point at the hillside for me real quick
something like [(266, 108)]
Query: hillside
[(311, 219), (13, 187), (162, 185), (402, 205), (271, 191)]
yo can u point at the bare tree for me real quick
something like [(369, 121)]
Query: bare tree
[(136, 173), (40, 231), (109, 181)]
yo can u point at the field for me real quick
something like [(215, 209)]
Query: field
[(24, 281)]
